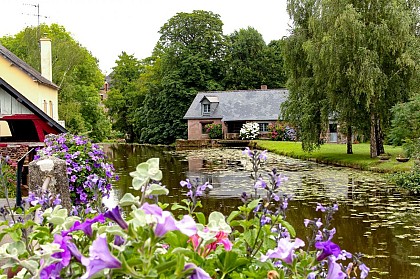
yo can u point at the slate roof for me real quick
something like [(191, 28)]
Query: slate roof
[(16, 61), (241, 105)]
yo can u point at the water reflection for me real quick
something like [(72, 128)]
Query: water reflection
[(374, 218)]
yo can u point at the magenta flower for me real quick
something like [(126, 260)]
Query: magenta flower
[(99, 258), (115, 216), (334, 270), (197, 273), (284, 251), (328, 248), (86, 226)]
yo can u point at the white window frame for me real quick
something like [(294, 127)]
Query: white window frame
[(206, 109), (263, 125)]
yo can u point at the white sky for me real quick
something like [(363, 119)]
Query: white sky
[(108, 27)]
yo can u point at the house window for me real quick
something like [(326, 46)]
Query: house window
[(45, 106), (206, 109), (263, 127), (333, 127)]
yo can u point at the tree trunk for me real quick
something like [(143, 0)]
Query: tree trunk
[(380, 138), (373, 134), (349, 140)]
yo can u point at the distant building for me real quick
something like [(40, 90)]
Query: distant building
[(232, 109)]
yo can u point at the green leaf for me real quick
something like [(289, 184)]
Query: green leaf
[(289, 227), (129, 199), (217, 222), (156, 190), (177, 206), (233, 215), (253, 204), (201, 218)]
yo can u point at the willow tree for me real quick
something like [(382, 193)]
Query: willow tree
[(362, 57)]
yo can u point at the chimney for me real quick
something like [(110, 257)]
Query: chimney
[(46, 60), (263, 87)]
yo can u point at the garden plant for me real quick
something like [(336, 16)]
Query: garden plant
[(214, 131), (143, 238), (249, 131)]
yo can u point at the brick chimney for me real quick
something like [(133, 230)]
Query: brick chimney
[(46, 60), (263, 87)]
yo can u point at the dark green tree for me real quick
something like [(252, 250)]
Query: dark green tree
[(188, 58), (251, 63), (124, 97), (75, 71)]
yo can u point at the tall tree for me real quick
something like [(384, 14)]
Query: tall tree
[(361, 55), (251, 63), (187, 58), (124, 97), (74, 70)]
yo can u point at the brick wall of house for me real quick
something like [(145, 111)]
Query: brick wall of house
[(14, 151), (195, 128)]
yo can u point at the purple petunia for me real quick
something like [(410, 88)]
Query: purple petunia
[(197, 273), (115, 216), (99, 258), (86, 226), (328, 248), (284, 251)]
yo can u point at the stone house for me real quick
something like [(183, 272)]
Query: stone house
[(232, 109)]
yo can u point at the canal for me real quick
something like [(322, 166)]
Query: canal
[(374, 218)]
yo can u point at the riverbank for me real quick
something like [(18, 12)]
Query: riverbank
[(335, 154)]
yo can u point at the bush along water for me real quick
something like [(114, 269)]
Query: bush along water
[(282, 132), (146, 240), (89, 174), (214, 131), (249, 131)]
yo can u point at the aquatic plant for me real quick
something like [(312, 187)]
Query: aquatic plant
[(145, 240)]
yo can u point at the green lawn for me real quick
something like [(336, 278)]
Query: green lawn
[(332, 153)]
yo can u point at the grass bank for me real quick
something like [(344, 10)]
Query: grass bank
[(335, 154)]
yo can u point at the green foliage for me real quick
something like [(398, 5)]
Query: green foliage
[(409, 181), (125, 96), (406, 126), (74, 70), (188, 58), (7, 180), (345, 57), (214, 130), (282, 131), (251, 63)]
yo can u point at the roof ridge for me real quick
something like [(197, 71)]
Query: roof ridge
[(7, 54)]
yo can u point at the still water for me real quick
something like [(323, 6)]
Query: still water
[(373, 218)]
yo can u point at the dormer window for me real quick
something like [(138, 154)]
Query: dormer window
[(206, 109)]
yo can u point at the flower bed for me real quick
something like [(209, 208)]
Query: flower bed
[(148, 240)]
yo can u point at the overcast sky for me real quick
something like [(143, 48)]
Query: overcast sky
[(108, 27)]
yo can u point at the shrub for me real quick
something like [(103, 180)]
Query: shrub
[(89, 173), (214, 131), (249, 131), (8, 179), (282, 132)]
